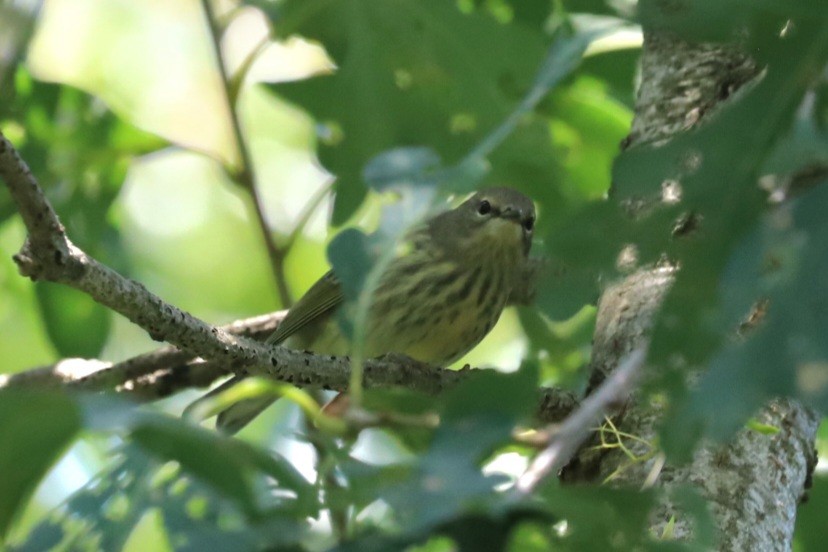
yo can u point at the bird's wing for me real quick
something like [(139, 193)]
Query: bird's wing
[(323, 296)]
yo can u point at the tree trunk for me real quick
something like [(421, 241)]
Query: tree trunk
[(753, 484)]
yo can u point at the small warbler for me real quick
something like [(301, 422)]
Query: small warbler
[(436, 300)]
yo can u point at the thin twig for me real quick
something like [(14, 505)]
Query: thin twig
[(244, 174), (572, 433), (308, 211)]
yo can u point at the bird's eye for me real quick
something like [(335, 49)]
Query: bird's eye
[(529, 223), (484, 208)]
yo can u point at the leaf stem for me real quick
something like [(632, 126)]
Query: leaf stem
[(308, 211), (563, 56), (243, 174)]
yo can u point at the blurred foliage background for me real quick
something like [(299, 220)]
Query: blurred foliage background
[(120, 110)]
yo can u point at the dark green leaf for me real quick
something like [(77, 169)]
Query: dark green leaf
[(109, 507), (619, 519), (805, 145), (810, 517), (693, 505), (79, 151), (105, 512), (225, 463), (351, 258), (529, 12), (719, 20), (407, 403), (17, 24), (400, 168), (561, 349), (490, 392), (75, 323), (443, 490), (354, 255), (36, 428), (488, 532), (446, 483), (601, 518), (731, 148), (413, 173), (445, 78), (784, 261), (531, 537)]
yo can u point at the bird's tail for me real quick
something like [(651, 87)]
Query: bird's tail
[(234, 418)]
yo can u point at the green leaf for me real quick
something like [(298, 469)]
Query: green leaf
[(602, 518), (531, 537), (351, 258), (353, 255), (566, 290), (716, 20), (225, 463), (586, 127), (583, 246), (104, 514), (211, 490), (110, 506), (446, 483), (400, 168), (492, 393), (784, 260), (397, 401), (730, 148), (803, 147), (809, 535), (690, 502), (75, 323), (561, 349), (615, 70), (489, 532), (442, 490), (413, 173), (17, 24), (80, 152), (36, 429), (444, 78)]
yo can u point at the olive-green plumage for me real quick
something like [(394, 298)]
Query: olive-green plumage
[(438, 298)]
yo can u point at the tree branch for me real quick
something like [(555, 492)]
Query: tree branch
[(168, 370), (49, 255), (206, 352), (149, 376)]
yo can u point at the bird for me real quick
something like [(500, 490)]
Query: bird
[(440, 295)]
